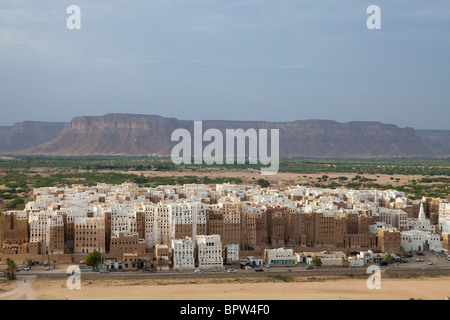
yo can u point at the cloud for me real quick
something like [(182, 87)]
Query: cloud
[(125, 61), (21, 39), (251, 65)]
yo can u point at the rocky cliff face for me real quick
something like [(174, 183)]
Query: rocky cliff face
[(438, 139), (28, 134), (114, 134)]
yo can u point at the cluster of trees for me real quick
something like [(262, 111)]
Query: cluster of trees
[(367, 166), (428, 167), (11, 268)]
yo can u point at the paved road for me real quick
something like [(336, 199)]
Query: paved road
[(441, 265)]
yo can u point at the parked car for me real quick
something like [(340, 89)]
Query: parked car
[(47, 268), (199, 271), (383, 263), (309, 267), (429, 263), (420, 253), (215, 270), (231, 271), (267, 266), (419, 260), (104, 271), (259, 270)]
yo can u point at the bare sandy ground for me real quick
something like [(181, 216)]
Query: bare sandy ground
[(250, 176), (17, 290), (336, 289)]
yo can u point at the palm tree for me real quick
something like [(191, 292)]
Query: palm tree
[(316, 261), (160, 262), (389, 259), (402, 252), (30, 263), (11, 269)]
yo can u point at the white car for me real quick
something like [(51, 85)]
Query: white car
[(419, 260), (231, 271), (267, 266)]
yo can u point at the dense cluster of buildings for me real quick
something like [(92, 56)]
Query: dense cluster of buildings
[(204, 226)]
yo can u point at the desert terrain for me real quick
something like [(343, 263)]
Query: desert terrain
[(318, 288)]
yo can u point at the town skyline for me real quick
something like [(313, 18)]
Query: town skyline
[(131, 222)]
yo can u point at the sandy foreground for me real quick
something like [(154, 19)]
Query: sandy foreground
[(425, 288)]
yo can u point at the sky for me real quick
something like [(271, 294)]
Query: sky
[(265, 60)]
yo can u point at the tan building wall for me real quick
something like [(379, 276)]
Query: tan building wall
[(276, 229), (248, 230), (389, 240), (127, 244), (15, 249), (329, 230), (89, 235), (107, 217), (13, 228), (446, 241), (55, 240), (140, 224), (261, 229), (35, 248), (224, 224), (352, 223), (186, 230), (361, 240)]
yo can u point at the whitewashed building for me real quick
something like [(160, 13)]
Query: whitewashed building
[(417, 240), (232, 251), (209, 251), (444, 217), (183, 254), (280, 257), (422, 223)]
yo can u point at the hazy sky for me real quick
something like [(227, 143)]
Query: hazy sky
[(274, 60)]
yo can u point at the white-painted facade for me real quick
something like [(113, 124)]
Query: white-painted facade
[(183, 254), (209, 251)]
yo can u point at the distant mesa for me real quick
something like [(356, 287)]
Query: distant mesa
[(28, 134), (132, 134)]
